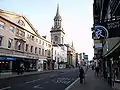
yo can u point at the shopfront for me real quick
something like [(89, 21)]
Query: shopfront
[(40, 65), (6, 64)]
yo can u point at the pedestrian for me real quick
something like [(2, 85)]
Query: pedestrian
[(81, 74), (92, 67), (97, 71), (21, 69)]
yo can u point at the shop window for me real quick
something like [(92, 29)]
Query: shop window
[(2, 25), (11, 29), (10, 43), (31, 49), (1, 38), (35, 49), (40, 51)]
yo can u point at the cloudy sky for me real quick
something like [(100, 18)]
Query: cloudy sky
[(77, 18)]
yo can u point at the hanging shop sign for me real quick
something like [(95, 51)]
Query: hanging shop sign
[(100, 32)]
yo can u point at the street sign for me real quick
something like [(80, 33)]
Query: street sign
[(85, 57)]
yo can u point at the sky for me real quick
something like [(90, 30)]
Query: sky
[(77, 19)]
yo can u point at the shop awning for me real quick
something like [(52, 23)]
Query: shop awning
[(113, 49)]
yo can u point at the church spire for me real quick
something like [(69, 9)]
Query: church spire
[(58, 17), (72, 43), (57, 13)]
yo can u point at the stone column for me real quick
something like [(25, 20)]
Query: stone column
[(10, 65)]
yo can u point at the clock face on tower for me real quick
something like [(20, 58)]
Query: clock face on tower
[(56, 38)]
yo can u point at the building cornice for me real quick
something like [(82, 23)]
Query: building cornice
[(57, 31)]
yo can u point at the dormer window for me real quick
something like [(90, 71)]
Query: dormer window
[(21, 23)]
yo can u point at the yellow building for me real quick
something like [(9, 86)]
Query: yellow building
[(20, 43)]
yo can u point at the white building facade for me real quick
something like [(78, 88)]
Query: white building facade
[(57, 39)]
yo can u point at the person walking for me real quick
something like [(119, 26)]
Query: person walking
[(81, 74), (97, 71)]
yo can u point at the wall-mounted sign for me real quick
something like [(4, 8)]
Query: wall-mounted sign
[(12, 59), (97, 41), (113, 27), (98, 45)]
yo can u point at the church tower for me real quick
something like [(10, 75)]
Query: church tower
[(57, 32)]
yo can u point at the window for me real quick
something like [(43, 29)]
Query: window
[(1, 41), (36, 40), (33, 38), (40, 51), (43, 43), (17, 31), (2, 25), (19, 45), (11, 29), (28, 35), (10, 43), (35, 49), (31, 49), (55, 52), (21, 23), (39, 41), (48, 52), (21, 33), (49, 45), (43, 52), (26, 47)]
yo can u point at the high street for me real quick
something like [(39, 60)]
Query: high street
[(55, 80)]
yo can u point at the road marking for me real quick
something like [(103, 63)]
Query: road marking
[(71, 84), (5, 88), (33, 81), (63, 80), (38, 86), (46, 82)]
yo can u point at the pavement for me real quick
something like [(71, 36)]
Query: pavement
[(4, 76), (54, 80), (92, 82)]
